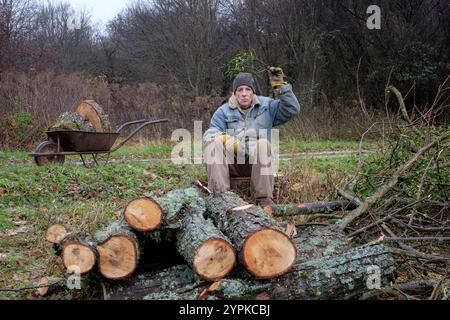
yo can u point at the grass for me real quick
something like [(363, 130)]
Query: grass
[(32, 198)]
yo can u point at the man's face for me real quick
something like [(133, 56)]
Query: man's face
[(244, 96)]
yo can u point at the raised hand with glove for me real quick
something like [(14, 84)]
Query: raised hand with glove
[(276, 77)]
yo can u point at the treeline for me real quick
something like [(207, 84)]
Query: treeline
[(192, 48)]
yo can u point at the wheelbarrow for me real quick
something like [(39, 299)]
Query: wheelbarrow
[(62, 143)]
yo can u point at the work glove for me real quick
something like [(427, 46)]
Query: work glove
[(276, 77), (229, 142)]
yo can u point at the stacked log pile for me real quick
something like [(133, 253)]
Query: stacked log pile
[(230, 247)]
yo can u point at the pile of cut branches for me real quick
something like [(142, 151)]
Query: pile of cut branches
[(404, 199)]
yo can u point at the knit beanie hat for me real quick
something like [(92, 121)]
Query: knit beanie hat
[(244, 79)]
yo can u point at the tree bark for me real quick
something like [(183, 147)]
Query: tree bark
[(343, 276), (265, 250), (206, 249), (312, 208)]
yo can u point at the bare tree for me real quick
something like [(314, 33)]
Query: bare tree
[(16, 18), (177, 39)]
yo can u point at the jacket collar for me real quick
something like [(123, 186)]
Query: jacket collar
[(232, 102)]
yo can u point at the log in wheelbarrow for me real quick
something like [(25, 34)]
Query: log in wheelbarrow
[(62, 143)]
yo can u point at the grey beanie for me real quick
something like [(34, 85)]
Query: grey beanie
[(244, 79)]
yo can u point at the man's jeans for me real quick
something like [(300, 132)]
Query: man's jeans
[(222, 164)]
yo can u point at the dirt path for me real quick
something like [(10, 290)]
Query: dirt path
[(283, 156)]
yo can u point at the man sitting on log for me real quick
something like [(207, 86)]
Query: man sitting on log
[(238, 142)]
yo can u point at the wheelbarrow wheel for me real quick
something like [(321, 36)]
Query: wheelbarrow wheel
[(48, 147)]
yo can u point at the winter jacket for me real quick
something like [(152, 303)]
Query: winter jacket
[(265, 114)]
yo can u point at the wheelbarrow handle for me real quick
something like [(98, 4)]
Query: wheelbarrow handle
[(126, 124), (144, 123)]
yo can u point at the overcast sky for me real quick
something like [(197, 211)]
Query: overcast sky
[(101, 10)]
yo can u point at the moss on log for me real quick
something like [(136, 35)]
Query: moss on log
[(156, 285), (314, 242)]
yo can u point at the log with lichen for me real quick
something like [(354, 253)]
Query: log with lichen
[(264, 248), (285, 210), (181, 281), (119, 251), (177, 217), (78, 252), (203, 246), (344, 276), (332, 271)]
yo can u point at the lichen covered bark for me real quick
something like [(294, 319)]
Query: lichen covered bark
[(157, 285), (336, 277), (196, 231), (341, 276), (318, 242), (285, 210), (175, 203), (237, 225)]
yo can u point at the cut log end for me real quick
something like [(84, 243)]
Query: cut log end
[(92, 112), (42, 291), (214, 259), (118, 257), (143, 215), (268, 253), (55, 233), (78, 257)]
